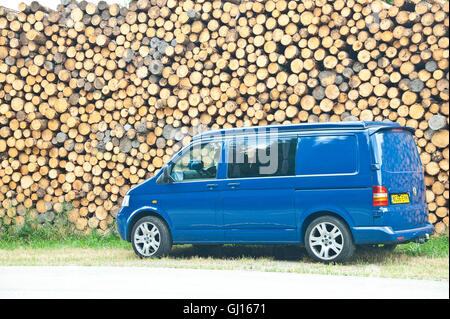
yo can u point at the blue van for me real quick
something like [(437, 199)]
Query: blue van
[(327, 186)]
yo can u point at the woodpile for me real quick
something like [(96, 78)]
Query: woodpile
[(96, 98)]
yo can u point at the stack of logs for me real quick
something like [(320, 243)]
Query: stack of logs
[(96, 98)]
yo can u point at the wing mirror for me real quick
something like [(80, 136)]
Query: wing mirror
[(164, 178), (195, 165)]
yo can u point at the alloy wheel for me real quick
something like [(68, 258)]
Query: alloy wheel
[(326, 241), (147, 239)]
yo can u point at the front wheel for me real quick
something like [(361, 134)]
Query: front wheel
[(151, 237), (328, 239)]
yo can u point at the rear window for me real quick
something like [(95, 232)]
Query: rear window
[(397, 151), (327, 155)]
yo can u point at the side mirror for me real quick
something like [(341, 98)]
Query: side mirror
[(164, 178), (195, 165)]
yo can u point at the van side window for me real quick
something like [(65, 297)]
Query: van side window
[(327, 155), (261, 157), (201, 161)]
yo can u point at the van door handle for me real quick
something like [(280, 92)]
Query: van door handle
[(211, 186), (234, 185)]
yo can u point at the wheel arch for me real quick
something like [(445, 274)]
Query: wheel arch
[(145, 213), (314, 215)]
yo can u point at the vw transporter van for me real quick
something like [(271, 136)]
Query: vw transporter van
[(327, 186)]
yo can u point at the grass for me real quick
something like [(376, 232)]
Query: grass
[(272, 259), (50, 246), (436, 247), (58, 233), (59, 244)]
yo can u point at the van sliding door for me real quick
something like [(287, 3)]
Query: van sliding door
[(258, 195)]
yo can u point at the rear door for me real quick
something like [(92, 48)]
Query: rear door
[(400, 171), (334, 175)]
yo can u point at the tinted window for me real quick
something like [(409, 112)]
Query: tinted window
[(201, 161), (261, 157), (327, 155), (397, 152)]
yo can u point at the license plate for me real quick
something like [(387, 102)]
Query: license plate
[(400, 198)]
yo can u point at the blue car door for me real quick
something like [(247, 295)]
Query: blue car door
[(191, 197), (257, 195)]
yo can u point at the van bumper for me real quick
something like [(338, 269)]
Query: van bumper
[(385, 234)]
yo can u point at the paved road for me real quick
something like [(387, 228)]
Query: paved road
[(128, 282)]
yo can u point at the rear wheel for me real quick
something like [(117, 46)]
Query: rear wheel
[(151, 237), (328, 239)]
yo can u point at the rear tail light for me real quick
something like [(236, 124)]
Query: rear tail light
[(380, 196)]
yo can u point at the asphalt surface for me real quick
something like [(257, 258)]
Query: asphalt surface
[(129, 282)]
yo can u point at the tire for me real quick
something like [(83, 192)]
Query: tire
[(327, 248), (151, 237)]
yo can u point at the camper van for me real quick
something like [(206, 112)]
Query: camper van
[(326, 186)]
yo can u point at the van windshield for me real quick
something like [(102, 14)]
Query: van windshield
[(397, 151)]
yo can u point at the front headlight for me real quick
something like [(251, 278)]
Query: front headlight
[(126, 201)]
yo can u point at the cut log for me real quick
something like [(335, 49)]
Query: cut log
[(96, 98)]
